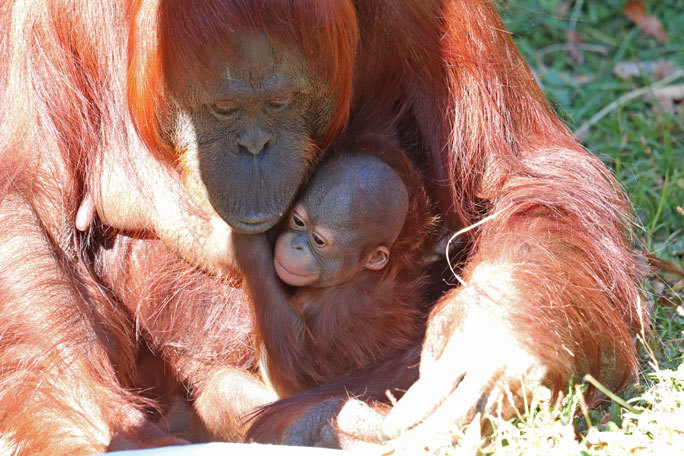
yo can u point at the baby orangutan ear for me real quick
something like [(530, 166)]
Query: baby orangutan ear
[(378, 258)]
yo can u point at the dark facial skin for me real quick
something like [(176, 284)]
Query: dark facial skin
[(350, 214), (255, 125)]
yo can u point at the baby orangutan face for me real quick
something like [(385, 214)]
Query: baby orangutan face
[(311, 253), (345, 223)]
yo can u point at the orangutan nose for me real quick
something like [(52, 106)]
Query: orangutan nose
[(254, 141)]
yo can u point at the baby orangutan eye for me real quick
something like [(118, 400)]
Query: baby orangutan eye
[(317, 240), (297, 221)]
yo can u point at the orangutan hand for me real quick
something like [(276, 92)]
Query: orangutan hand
[(337, 423), (471, 363)]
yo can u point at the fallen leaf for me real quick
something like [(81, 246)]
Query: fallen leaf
[(673, 92), (658, 69), (667, 96), (606, 418), (649, 25), (662, 106), (663, 69)]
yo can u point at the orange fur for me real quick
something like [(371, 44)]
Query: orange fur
[(85, 89)]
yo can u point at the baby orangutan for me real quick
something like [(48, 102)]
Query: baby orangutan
[(346, 252), (343, 225)]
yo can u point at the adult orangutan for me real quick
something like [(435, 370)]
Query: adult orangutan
[(136, 136)]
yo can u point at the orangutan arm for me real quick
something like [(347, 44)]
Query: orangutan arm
[(547, 294), (58, 391), (201, 327), (289, 365)]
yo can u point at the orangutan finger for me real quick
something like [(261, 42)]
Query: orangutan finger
[(422, 400), (456, 409), (86, 213)]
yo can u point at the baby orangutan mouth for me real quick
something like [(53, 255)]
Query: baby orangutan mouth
[(290, 278)]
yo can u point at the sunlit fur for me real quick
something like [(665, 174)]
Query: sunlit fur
[(86, 84), (566, 223)]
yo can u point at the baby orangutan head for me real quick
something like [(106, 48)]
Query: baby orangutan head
[(346, 221)]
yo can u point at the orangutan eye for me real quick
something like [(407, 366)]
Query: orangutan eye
[(297, 221), (225, 107), (317, 240), (279, 102)]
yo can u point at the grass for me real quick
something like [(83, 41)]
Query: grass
[(643, 142)]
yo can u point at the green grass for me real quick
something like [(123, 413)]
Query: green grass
[(644, 145), (644, 148)]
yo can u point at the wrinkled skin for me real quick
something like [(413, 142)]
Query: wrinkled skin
[(344, 223), (247, 136)]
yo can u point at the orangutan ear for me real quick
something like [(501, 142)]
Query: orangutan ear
[(378, 258)]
